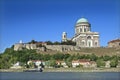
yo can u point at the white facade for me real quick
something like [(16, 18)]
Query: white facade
[(83, 35)]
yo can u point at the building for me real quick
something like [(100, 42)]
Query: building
[(114, 43), (83, 38), (83, 35), (84, 63)]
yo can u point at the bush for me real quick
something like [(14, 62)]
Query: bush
[(100, 63), (114, 62)]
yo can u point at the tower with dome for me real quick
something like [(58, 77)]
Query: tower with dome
[(83, 35)]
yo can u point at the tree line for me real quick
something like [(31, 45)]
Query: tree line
[(69, 42)]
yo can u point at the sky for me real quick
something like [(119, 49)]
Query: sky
[(45, 20)]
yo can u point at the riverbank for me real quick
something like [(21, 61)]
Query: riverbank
[(68, 70)]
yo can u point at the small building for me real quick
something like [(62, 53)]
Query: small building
[(16, 66), (36, 62), (93, 64), (75, 63), (85, 62), (62, 63), (114, 43)]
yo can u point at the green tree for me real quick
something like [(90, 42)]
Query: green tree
[(100, 63), (69, 62), (56, 43), (106, 58), (114, 62), (58, 56), (93, 57), (52, 63), (4, 61), (32, 42), (49, 43)]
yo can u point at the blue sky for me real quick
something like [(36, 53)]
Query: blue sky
[(44, 20)]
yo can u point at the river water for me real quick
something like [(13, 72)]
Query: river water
[(60, 76)]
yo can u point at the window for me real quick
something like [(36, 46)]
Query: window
[(89, 44), (84, 29), (80, 29), (83, 43), (64, 36), (77, 31), (89, 37), (95, 43)]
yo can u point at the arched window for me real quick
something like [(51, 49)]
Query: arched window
[(89, 37), (64, 36), (89, 44), (95, 43), (80, 29), (77, 30), (84, 29)]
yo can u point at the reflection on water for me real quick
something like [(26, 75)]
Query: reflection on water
[(60, 76)]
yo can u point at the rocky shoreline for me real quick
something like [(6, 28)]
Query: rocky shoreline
[(67, 70)]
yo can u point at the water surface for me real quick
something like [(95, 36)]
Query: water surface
[(60, 76)]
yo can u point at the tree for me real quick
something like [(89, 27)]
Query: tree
[(53, 63), (100, 63), (4, 61), (106, 58), (56, 43), (69, 42), (49, 43), (69, 62), (58, 56), (32, 42), (93, 57), (114, 62)]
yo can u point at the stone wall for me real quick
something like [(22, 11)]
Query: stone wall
[(20, 46), (62, 47)]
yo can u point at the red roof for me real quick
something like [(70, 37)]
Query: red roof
[(117, 40)]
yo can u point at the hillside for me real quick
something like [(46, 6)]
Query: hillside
[(97, 51)]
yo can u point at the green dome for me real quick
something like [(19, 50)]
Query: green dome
[(82, 20)]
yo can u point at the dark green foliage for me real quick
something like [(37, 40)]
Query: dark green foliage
[(69, 62), (114, 62), (106, 58), (32, 42), (100, 63), (49, 43), (93, 57), (69, 42)]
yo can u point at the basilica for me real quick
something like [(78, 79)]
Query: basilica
[(83, 37)]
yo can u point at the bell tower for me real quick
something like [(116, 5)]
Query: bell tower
[(64, 37)]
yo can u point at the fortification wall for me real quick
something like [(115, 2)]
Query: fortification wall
[(62, 47), (48, 47), (18, 47)]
